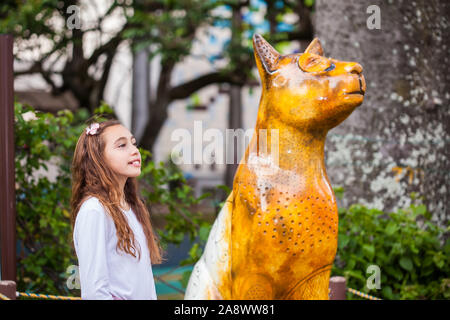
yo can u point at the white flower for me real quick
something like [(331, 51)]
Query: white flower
[(92, 129)]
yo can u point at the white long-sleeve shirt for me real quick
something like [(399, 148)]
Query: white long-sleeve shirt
[(104, 272)]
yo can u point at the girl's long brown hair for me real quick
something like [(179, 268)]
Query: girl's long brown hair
[(90, 177)]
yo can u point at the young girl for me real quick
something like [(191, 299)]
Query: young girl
[(113, 237)]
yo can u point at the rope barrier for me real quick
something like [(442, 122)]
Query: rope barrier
[(45, 296), (362, 294), (3, 297), (53, 297)]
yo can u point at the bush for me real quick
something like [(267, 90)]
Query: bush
[(43, 206), (412, 253)]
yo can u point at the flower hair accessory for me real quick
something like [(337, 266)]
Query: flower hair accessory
[(92, 129)]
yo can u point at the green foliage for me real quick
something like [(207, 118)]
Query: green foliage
[(411, 252), (43, 205), (27, 18), (339, 192), (309, 3), (168, 25)]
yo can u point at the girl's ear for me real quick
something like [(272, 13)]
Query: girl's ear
[(266, 56)]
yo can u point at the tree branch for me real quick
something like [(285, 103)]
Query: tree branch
[(186, 89), (37, 68), (111, 45), (106, 69)]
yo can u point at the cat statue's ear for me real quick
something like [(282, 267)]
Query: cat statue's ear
[(265, 54), (315, 47)]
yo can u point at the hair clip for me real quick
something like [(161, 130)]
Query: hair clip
[(92, 129)]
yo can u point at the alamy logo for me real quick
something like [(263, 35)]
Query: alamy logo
[(73, 281), (73, 21), (221, 150), (374, 20), (374, 281)]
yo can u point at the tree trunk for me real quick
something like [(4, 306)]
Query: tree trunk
[(141, 93), (154, 125), (234, 122), (397, 141), (235, 102), (157, 108)]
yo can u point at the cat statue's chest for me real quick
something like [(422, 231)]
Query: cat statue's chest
[(279, 208)]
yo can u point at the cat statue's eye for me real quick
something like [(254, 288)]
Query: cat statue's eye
[(331, 67), (312, 63)]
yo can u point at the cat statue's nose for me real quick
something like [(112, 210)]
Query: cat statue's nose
[(354, 67)]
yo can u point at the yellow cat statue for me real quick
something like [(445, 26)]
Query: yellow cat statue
[(276, 235)]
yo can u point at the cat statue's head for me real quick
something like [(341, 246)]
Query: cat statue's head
[(307, 90)]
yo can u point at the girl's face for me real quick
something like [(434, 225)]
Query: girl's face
[(121, 153)]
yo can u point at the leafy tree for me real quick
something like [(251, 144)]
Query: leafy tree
[(55, 49)]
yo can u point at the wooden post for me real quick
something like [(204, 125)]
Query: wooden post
[(338, 288), (8, 288), (7, 166)]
